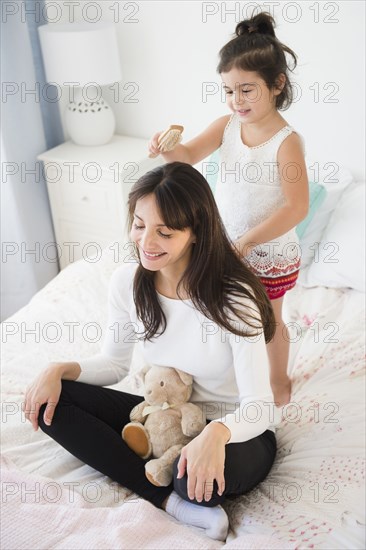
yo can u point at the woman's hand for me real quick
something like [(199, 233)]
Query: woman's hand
[(46, 388), (204, 459)]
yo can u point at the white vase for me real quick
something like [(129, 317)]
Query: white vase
[(89, 122)]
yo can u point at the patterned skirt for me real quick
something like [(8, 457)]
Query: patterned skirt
[(278, 273), (276, 287)]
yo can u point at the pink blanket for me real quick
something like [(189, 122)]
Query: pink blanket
[(36, 513)]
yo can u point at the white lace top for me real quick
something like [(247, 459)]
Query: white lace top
[(248, 190)]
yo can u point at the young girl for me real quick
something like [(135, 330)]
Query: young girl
[(193, 305), (262, 186)]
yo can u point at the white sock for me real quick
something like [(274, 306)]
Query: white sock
[(213, 520)]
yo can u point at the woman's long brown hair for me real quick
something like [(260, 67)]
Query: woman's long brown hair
[(216, 280)]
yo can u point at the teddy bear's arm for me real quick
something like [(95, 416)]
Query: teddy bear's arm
[(193, 419), (136, 413)]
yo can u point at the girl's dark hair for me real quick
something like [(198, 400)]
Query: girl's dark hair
[(215, 278), (256, 48)]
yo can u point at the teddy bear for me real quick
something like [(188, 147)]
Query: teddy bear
[(164, 422)]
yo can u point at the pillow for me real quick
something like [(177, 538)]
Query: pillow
[(340, 258), (316, 196), (314, 230), (211, 169)]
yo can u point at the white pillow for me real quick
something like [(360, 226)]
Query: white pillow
[(335, 180), (341, 254)]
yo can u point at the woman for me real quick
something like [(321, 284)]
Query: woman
[(191, 304)]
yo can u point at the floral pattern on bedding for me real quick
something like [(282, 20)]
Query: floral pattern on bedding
[(314, 494)]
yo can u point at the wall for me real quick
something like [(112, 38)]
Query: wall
[(169, 56)]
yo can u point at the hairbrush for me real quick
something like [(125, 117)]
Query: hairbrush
[(169, 139)]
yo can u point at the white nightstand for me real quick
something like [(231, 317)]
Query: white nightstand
[(88, 190)]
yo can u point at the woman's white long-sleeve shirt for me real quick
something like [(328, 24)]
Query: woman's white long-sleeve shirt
[(230, 373)]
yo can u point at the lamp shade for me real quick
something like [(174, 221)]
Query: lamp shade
[(81, 53)]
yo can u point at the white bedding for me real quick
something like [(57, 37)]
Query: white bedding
[(314, 494)]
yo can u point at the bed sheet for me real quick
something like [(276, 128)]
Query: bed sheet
[(314, 494)]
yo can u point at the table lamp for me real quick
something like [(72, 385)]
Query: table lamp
[(83, 56)]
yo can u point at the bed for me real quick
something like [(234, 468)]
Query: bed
[(314, 494)]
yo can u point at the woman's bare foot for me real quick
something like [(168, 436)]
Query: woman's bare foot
[(281, 392)]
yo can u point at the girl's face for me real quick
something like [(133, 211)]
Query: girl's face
[(160, 248), (248, 95)]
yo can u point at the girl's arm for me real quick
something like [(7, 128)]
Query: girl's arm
[(197, 148), (294, 181)]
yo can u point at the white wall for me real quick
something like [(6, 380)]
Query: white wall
[(169, 52)]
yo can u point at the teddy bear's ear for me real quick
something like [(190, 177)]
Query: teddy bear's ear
[(145, 370), (139, 377), (185, 377)]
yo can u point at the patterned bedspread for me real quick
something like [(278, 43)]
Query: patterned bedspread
[(314, 494)]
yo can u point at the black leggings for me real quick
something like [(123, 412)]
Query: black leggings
[(88, 421)]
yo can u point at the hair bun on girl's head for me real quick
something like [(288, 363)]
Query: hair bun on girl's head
[(262, 23), (255, 47)]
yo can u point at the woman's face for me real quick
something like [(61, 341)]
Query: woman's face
[(160, 248)]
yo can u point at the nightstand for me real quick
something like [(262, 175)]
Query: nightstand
[(88, 190)]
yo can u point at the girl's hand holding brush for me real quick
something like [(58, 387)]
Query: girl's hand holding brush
[(163, 142)]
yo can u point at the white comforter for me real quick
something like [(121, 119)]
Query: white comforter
[(314, 494)]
